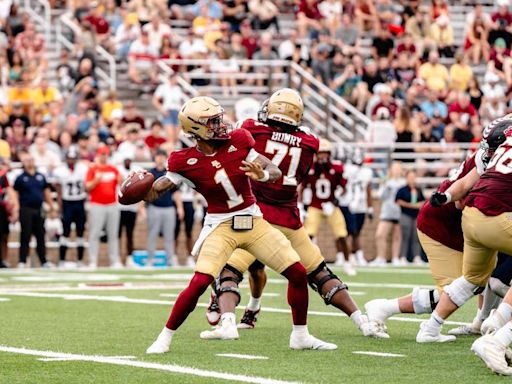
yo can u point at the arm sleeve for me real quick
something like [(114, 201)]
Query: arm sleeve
[(177, 179), (252, 155)]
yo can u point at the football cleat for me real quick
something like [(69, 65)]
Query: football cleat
[(493, 354), (372, 329), (213, 310), (466, 330), (307, 341), (377, 313), (161, 344), (427, 335), (249, 319), (494, 322), (227, 330)]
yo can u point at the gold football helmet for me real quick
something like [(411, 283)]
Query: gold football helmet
[(325, 146), (202, 117), (285, 106)]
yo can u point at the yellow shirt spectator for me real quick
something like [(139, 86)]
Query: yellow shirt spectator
[(460, 75), (435, 75), (5, 150), (44, 95), (19, 94), (108, 106)]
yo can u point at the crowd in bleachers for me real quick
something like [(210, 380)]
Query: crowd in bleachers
[(398, 62)]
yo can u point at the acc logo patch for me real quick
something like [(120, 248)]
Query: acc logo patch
[(192, 161)]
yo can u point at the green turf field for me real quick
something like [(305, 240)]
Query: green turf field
[(79, 327)]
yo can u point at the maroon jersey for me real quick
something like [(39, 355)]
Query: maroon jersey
[(492, 194), (218, 177), (443, 224), (293, 153), (323, 180)]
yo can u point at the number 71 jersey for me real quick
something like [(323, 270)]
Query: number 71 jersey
[(293, 152)]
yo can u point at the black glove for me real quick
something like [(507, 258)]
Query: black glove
[(438, 198)]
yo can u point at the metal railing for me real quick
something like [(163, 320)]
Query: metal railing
[(45, 19), (65, 21)]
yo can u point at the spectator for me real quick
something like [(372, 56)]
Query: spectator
[(249, 39), (389, 218), (418, 26), (99, 23), (30, 44), (410, 199), (18, 139), (44, 95), (406, 131), (132, 115), (157, 30), (45, 159), (32, 190), (168, 99), (494, 104), (347, 36), (366, 15), (321, 64), (462, 115), (404, 73), (141, 60), (441, 33), (9, 210), (110, 105), (235, 11), (438, 8), (5, 150), (265, 14), (126, 34), (308, 17), (381, 131), (331, 11), (192, 47), (382, 45), (146, 8), (475, 93), (500, 61), (345, 83), (371, 75), (162, 213), (129, 147), (128, 216), (460, 74), (476, 45), (408, 47), (265, 53), (226, 67), (435, 75), (502, 23), (155, 137), (101, 183)]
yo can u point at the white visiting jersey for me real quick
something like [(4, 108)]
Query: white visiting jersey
[(358, 178), (71, 181), (349, 173)]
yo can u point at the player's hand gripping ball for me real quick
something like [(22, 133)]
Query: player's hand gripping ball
[(135, 187)]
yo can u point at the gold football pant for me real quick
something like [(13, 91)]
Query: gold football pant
[(336, 220), (266, 243), (309, 253), (484, 236), (445, 263)]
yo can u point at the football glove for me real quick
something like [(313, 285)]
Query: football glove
[(438, 198)]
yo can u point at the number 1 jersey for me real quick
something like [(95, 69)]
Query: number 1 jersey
[(293, 152)]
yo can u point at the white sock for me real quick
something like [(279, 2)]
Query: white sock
[(392, 306), (301, 330), (340, 257), (435, 321), (504, 335), (166, 335), (505, 311), (478, 316), (254, 304), (228, 316), (356, 317)]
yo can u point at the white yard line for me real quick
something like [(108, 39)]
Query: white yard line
[(4, 299), (380, 354), (124, 299), (146, 365), (245, 357)]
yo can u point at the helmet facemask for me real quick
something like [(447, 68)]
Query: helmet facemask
[(216, 129)]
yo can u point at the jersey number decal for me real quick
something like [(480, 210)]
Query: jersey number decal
[(75, 188), (323, 189), (502, 161), (280, 151), (221, 177)]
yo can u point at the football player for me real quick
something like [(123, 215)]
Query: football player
[(357, 202), (485, 224), (220, 167), (279, 135), (71, 196), (324, 178)]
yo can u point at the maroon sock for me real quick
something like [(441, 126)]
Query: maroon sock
[(297, 292), (187, 300)]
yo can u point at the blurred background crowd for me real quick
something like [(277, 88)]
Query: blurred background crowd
[(415, 69)]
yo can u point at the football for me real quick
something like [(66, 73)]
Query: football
[(135, 187)]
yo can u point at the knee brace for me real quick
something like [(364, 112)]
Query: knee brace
[(424, 300), (318, 285), (498, 287), (461, 290), (237, 279)]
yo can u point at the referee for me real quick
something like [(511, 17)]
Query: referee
[(32, 190)]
